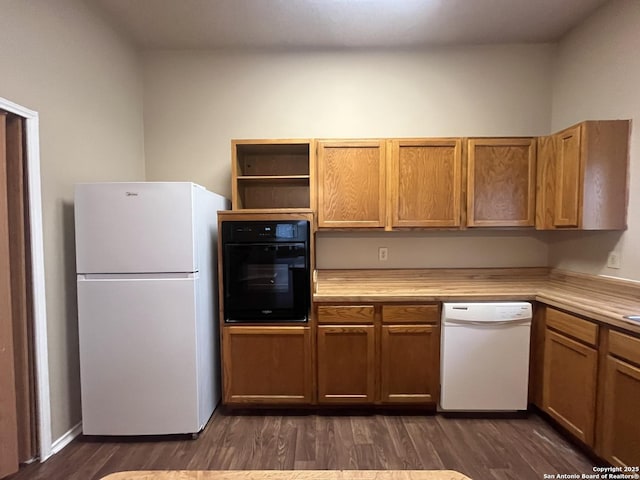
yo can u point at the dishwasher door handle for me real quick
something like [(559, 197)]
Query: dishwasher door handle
[(491, 323)]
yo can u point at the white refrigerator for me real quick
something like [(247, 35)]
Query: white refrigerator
[(147, 306)]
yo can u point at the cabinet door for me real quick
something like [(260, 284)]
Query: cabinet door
[(568, 178), (351, 184), (266, 365), (546, 182), (501, 182), (569, 384), (621, 419), (346, 364), (410, 364), (426, 183)]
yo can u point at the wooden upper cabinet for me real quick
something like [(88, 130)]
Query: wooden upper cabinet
[(545, 181), (583, 177), (501, 182), (425, 179), (351, 184), (567, 194), (272, 174)]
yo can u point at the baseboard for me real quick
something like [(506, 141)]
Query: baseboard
[(66, 439)]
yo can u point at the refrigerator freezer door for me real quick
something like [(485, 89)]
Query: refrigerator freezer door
[(138, 356), (134, 227)]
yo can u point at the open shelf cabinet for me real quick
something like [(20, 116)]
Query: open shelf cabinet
[(272, 174)]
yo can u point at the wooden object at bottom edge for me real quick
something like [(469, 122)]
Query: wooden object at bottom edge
[(289, 475)]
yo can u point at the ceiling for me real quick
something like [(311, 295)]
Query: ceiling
[(315, 24)]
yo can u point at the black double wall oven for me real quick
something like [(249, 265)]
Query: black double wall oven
[(266, 271)]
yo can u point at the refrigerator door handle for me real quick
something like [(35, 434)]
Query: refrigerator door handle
[(137, 276)]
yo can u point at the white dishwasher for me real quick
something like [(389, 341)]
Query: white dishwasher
[(485, 356)]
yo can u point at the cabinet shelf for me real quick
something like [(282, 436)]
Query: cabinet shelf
[(272, 178)]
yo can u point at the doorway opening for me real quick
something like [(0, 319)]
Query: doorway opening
[(25, 423)]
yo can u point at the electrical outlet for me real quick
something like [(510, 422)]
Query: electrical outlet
[(383, 254), (614, 260)]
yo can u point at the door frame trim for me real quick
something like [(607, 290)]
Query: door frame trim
[(38, 279)]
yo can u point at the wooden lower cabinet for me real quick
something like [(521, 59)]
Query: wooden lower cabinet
[(346, 364), (590, 378), (378, 354), (569, 384), (409, 364), (267, 365), (621, 432), (620, 414)]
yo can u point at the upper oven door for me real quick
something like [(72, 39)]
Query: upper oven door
[(266, 282)]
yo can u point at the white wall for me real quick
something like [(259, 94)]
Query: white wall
[(441, 249), (60, 59), (196, 102), (597, 76)]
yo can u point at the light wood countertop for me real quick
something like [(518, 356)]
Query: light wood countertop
[(289, 475), (602, 299)]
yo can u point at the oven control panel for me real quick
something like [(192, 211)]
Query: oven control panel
[(255, 231)]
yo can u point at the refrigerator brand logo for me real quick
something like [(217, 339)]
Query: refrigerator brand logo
[(131, 194)]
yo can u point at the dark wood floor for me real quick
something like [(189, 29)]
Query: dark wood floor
[(524, 448)]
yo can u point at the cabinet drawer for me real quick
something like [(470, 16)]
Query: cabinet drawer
[(345, 314), (624, 346), (410, 313), (573, 326)]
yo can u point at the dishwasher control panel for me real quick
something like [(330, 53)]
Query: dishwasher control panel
[(509, 312)]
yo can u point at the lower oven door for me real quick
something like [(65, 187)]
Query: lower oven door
[(266, 282)]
